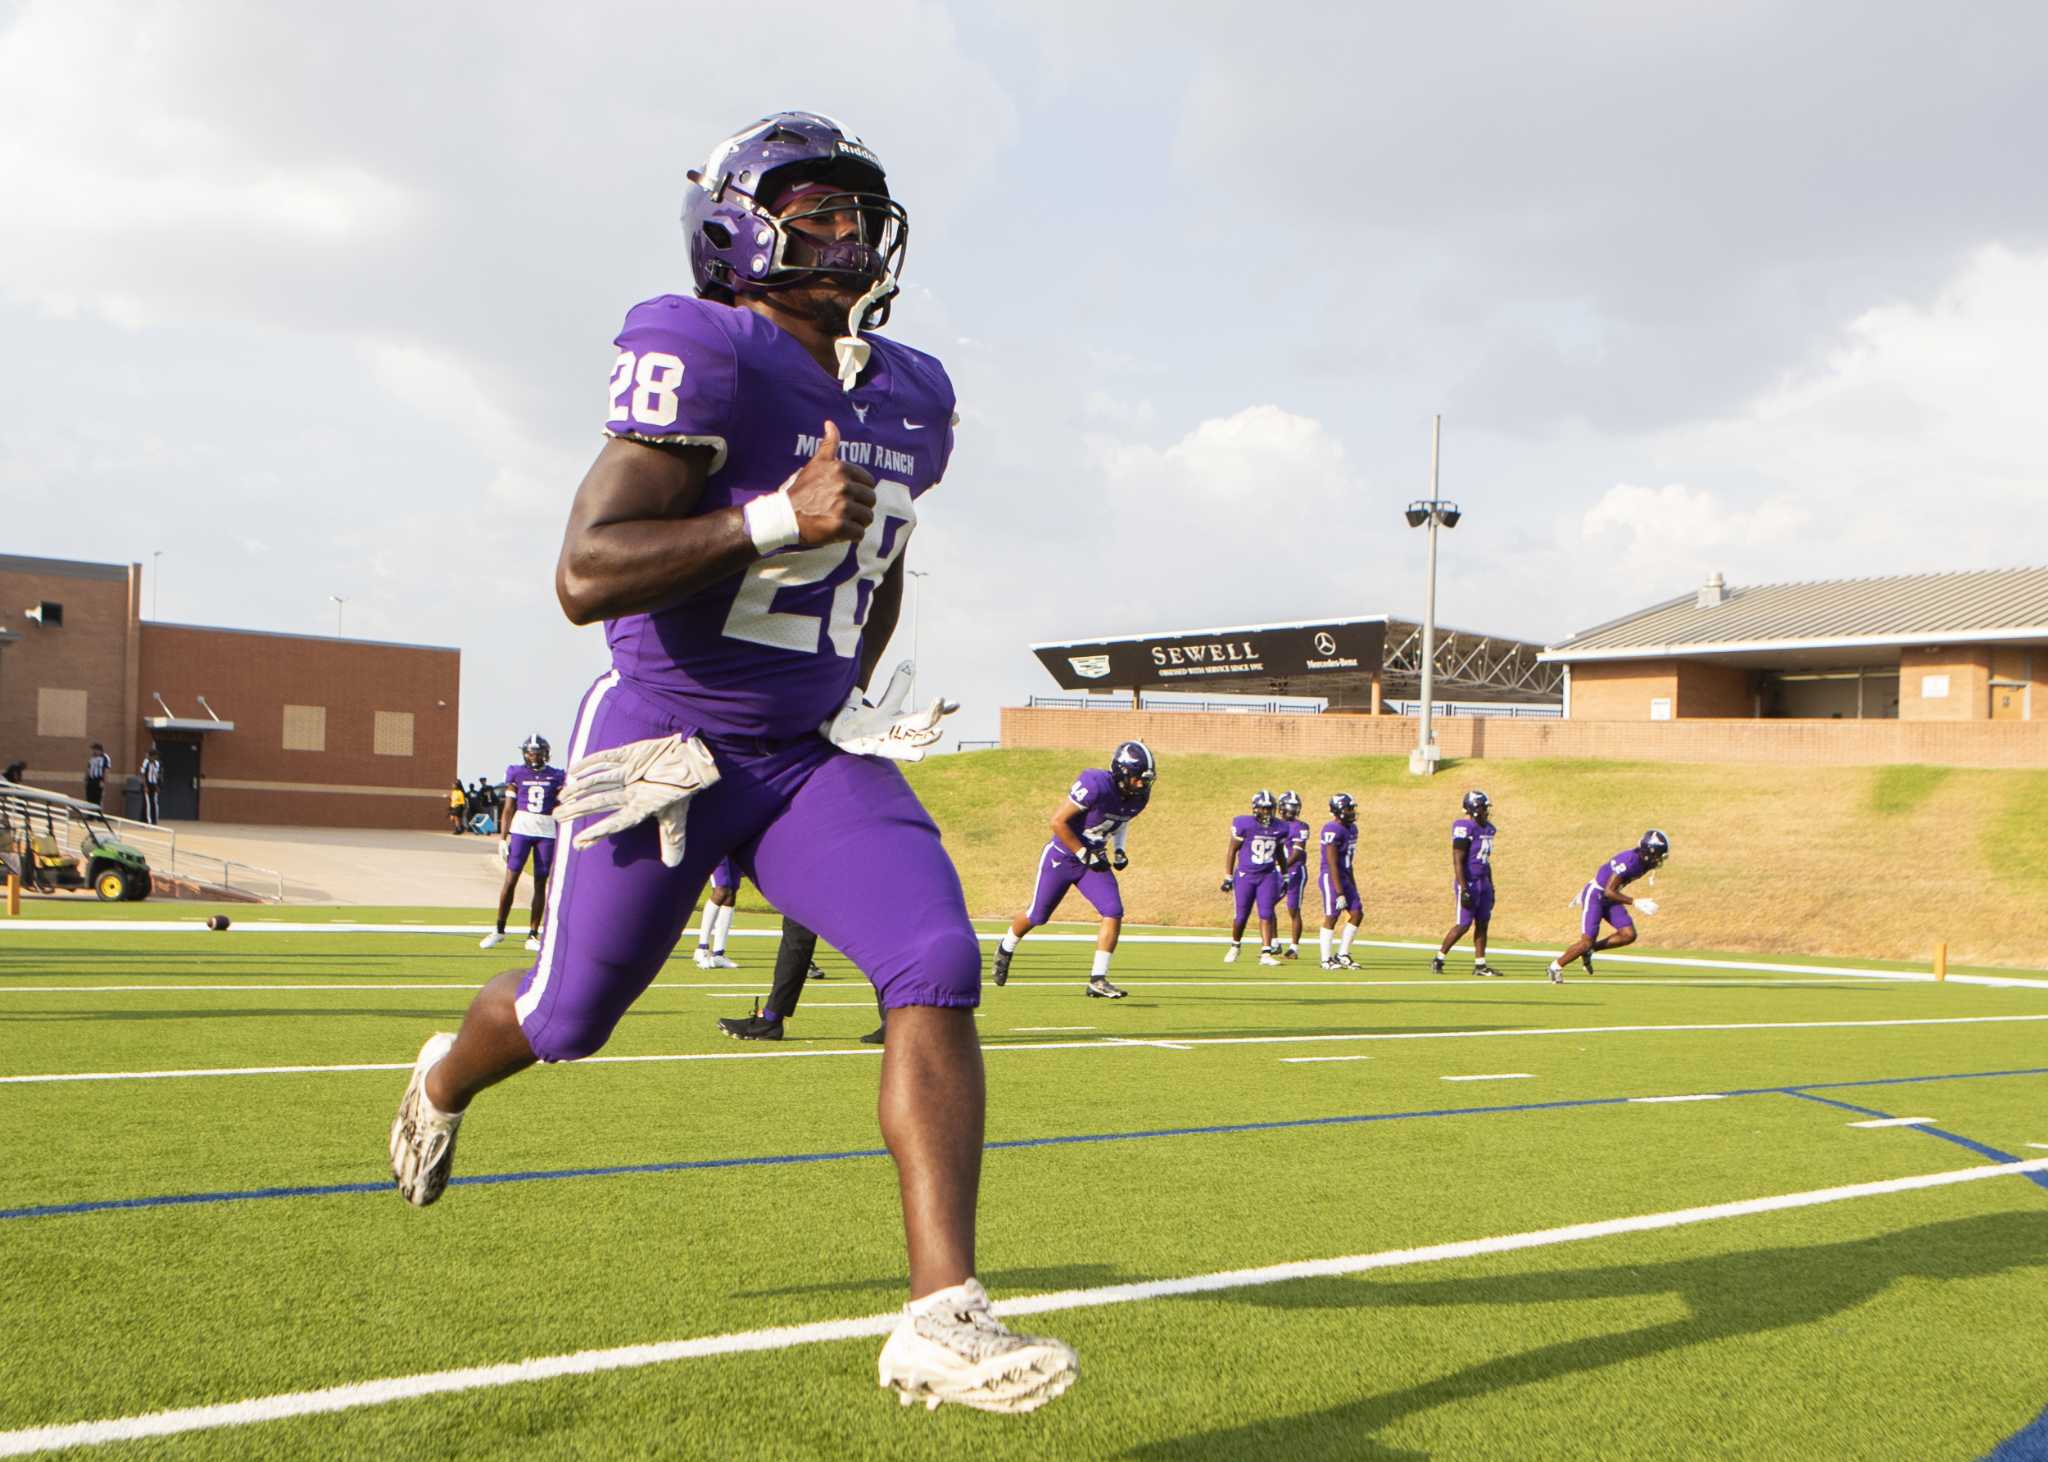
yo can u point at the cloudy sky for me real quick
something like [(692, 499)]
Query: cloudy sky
[(319, 300)]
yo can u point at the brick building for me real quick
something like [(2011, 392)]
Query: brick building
[(1915, 647), (251, 726)]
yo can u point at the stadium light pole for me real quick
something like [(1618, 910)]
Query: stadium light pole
[(156, 579), (916, 620), (338, 603), (1433, 512)]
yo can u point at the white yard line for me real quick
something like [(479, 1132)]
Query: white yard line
[(1306, 1060), (1103, 1043), (1497, 1076), (632, 1357), (193, 925), (1705, 1096), (1897, 1122)]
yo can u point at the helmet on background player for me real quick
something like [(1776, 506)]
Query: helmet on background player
[(1263, 805), (534, 751), (1132, 767), (1477, 805), (1654, 846), (1344, 807), (739, 244), (1290, 804)]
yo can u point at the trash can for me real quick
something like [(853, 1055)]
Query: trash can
[(131, 799)]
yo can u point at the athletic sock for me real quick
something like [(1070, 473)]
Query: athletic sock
[(1344, 939), (1100, 969), (770, 1015), (704, 924), (1008, 943), (721, 925), (1325, 941)]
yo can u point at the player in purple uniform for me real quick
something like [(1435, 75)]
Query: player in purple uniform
[(1087, 849), (741, 534), (526, 826), (1253, 865), (1295, 880), (1604, 898), (1472, 875), (716, 925), (1340, 884)]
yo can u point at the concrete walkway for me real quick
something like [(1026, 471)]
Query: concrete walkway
[(347, 865)]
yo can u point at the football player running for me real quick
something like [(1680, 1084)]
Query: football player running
[(1295, 880), (1087, 850), (741, 534), (1472, 874), (1605, 898), (1253, 864), (716, 925), (526, 826), (1340, 885)]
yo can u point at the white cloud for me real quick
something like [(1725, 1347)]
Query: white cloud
[(1669, 535)]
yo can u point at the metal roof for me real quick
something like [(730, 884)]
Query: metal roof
[(1902, 609)]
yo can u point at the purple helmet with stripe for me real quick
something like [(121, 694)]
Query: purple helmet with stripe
[(739, 243)]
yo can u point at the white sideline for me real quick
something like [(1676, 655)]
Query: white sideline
[(627, 1357), (1896, 1122), (194, 926), (1101, 1043)]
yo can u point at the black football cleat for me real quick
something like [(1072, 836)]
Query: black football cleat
[(1002, 969), (816, 972), (876, 1036), (1100, 988), (755, 1027), (1436, 965), (1482, 969)]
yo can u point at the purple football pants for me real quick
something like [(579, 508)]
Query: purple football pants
[(1058, 871), (838, 843), (1340, 893), (519, 847), (1598, 907), (1476, 906), (1265, 887), (1292, 884)]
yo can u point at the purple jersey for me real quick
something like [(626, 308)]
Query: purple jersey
[(1629, 863), (532, 791), (1478, 840), (773, 650), (1295, 831), (1104, 810), (1340, 843), (1258, 844)]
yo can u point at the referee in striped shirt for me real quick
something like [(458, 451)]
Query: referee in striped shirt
[(96, 768)]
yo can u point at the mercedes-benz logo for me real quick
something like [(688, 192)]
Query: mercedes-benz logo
[(1326, 643)]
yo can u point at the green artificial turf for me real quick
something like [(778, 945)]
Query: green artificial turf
[(1832, 1331)]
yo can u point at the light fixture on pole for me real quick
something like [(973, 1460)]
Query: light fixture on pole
[(1433, 511), (916, 619), (338, 603)]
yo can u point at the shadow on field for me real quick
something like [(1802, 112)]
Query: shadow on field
[(1730, 1295)]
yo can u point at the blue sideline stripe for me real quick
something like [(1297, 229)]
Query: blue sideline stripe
[(56, 1210), (2028, 1444), (2038, 1179)]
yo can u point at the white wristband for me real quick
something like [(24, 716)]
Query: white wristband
[(771, 521)]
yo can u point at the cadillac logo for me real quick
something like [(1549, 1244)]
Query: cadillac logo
[(1089, 667), (1326, 643)]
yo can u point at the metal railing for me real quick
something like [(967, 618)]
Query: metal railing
[(156, 843), (979, 746), (1170, 703), (1479, 708)]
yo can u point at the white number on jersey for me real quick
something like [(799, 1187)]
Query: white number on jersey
[(1263, 850), (754, 618), (536, 796), (654, 403), (1078, 794), (1484, 852)]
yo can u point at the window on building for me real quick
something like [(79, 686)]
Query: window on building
[(60, 712), (1660, 708), (393, 734), (305, 728)]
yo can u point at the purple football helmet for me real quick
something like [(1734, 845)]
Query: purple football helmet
[(1132, 767), (737, 243), (1263, 805)]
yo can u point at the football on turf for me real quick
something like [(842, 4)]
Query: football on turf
[(216, 922)]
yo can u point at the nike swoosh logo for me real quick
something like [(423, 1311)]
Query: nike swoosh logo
[(909, 425)]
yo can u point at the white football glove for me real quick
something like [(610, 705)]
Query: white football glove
[(1646, 906), (883, 728), (634, 782)]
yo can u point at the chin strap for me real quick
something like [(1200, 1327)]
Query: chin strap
[(853, 352)]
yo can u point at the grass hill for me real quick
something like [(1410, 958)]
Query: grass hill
[(1879, 862)]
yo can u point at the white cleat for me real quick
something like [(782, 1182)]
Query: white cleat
[(1267, 957), (1331, 963), (533, 943), (950, 1346), (720, 962), (422, 1138), (702, 957), (1556, 975), (491, 940), (1346, 962), (1230, 955)]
